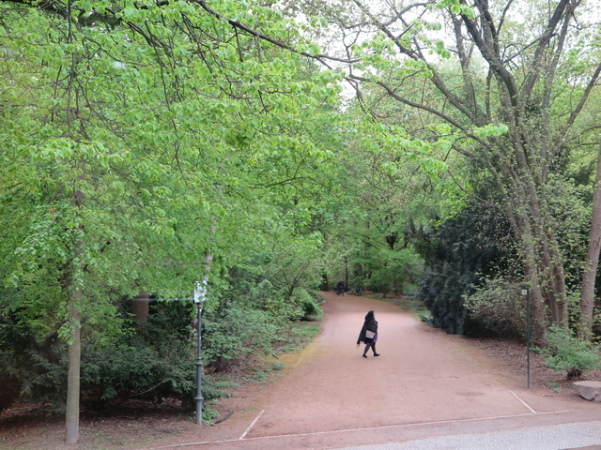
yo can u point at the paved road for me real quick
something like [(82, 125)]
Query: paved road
[(582, 435), (427, 390)]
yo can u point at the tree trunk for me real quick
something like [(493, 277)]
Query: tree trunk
[(72, 416), (140, 306), (75, 297), (532, 274), (587, 299), (539, 249)]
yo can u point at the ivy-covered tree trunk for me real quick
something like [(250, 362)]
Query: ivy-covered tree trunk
[(541, 258), (587, 299)]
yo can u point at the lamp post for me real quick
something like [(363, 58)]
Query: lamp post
[(526, 292), (200, 294)]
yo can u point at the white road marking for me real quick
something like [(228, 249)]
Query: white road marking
[(523, 402), (251, 425)]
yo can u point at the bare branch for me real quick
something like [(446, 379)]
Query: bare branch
[(493, 59), (320, 57), (543, 43), (589, 88)]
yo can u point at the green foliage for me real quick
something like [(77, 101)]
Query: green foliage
[(169, 150), (570, 210), (153, 362), (565, 352), (247, 331), (393, 271), (30, 365), (382, 179), (136, 142), (497, 307), (149, 361), (233, 335), (311, 311), (138, 370)]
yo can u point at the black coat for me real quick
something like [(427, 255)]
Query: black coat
[(370, 324)]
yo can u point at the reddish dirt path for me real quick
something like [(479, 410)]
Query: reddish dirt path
[(425, 383)]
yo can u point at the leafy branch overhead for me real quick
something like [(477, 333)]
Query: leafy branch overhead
[(111, 14)]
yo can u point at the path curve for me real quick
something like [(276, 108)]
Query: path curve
[(425, 383)]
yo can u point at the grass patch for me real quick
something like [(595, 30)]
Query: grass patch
[(292, 337), (295, 336), (209, 414), (277, 366), (261, 375), (266, 372)]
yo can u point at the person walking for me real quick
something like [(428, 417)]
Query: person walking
[(369, 334)]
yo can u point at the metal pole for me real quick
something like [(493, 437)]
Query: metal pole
[(528, 326), (199, 297)]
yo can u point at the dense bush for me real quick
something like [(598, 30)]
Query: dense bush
[(497, 308), (244, 321), (458, 253), (565, 352), (309, 306), (232, 335), (149, 361), (155, 359), (25, 360)]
